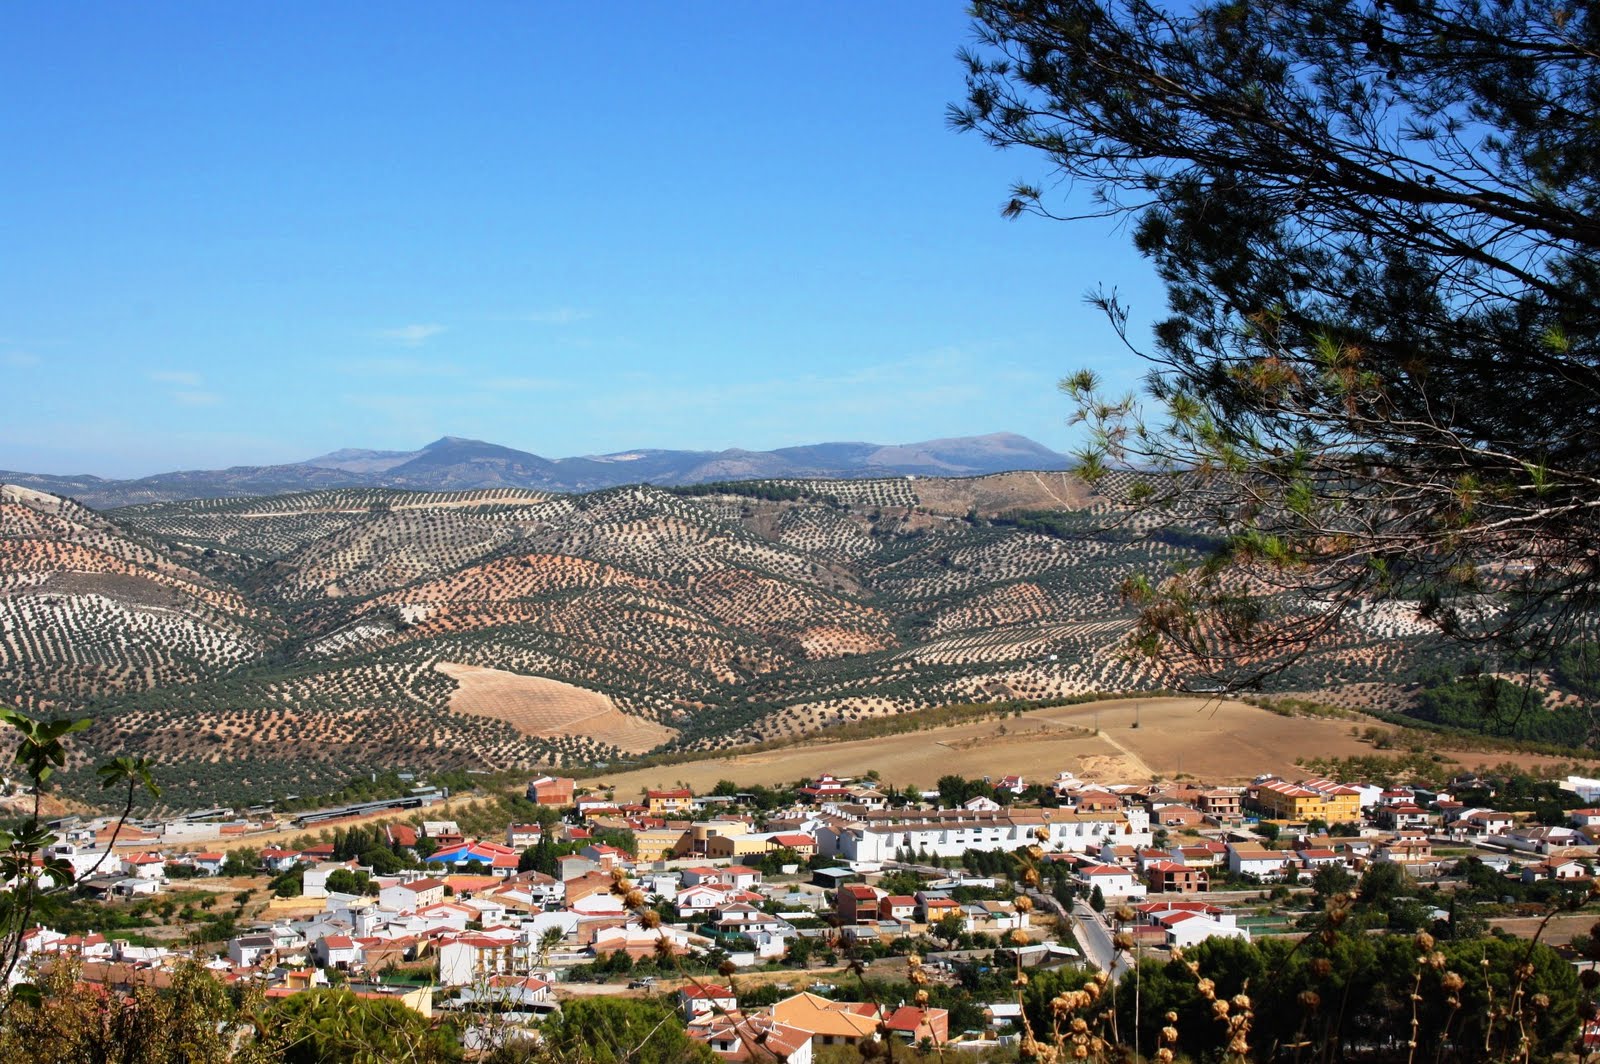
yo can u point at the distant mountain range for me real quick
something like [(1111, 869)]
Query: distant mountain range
[(456, 464)]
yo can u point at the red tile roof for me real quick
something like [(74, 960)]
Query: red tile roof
[(696, 991)]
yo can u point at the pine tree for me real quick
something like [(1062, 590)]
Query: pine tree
[(1378, 375)]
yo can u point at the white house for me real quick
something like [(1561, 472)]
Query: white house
[(314, 884), (639, 940), (282, 940), (663, 885), (246, 950), (337, 951), (537, 887), (700, 899), (518, 993), (1555, 868), (534, 928), (92, 946), (1584, 787), (697, 999), (472, 958), (1544, 839), (1482, 823), (522, 836), (36, 939), (1188, 923), (151, 866), (1114, 881), (600, 903), (994, 916), (276, 860), (137, 887), (85, 858), (737, 1037), (414, 895), (1403, 816), (1314, 857), (447, 914), (490, 912), (123, 950), (210, 863), (738, 923), (1256, 862)]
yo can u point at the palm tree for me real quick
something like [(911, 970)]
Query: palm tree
[(548, 941)]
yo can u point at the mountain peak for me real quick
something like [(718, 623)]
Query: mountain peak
[(460, 463)]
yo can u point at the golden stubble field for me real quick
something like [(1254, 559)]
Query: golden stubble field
[(542, 707), (1214, 741)]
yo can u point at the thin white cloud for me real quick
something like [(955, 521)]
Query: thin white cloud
[(411, 335), (20, 359), (401, 367), (557, 316), (184, 378)]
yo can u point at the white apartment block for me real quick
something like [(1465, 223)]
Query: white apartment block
[(949, 833)]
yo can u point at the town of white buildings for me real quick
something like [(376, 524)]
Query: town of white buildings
[(482, 926)]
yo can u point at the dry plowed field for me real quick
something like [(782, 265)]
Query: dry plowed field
[(546, 708), (1214, 741)]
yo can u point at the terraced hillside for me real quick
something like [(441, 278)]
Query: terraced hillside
[(91, 610), (264, 646)]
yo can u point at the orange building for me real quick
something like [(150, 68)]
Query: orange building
[(552, 790)]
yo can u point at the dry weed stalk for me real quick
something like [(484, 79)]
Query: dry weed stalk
[(1084, 1022)]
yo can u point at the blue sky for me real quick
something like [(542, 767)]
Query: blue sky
[(253, 233)]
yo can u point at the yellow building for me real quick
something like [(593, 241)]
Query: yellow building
[(1323, 800), (655, 843), (702, 833), (1341, 804), (669, 803), (736, 846)]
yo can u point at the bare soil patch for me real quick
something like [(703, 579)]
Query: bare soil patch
[(546, 708), (991, 495), (1216, 741), (1025, 733), (454, 807)]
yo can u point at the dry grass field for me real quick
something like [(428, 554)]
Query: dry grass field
[(546, 708), (1024, 490), (1215, 741)]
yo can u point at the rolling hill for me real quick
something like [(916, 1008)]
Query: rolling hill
[(261, 646), (91, 609)]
